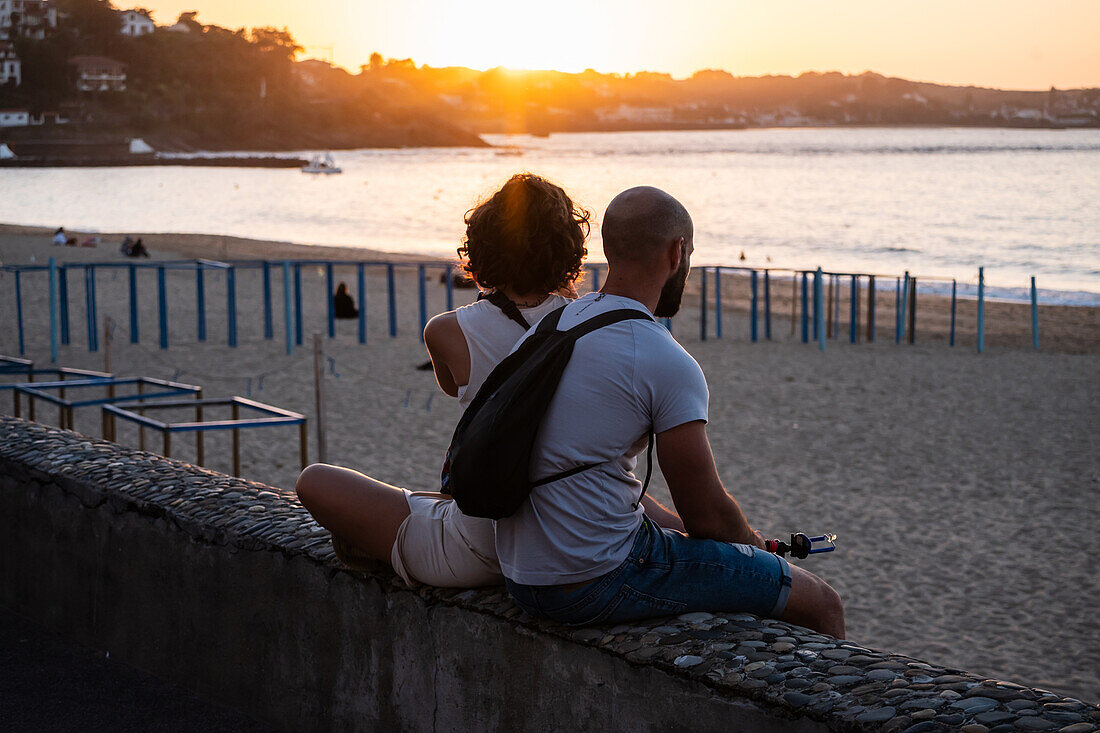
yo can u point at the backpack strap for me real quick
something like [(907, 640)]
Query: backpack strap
[(506, 306), (581, 329), (606, 319)]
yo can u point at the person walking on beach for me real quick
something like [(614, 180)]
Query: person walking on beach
[(580, 550), (525, 246)]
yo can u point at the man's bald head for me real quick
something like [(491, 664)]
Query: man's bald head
[(640, 221)]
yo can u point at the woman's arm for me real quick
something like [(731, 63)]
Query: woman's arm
[(449, 352)]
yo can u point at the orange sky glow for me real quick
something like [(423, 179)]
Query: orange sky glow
[(1011, 44)]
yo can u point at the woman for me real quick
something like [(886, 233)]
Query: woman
[(524, 246)]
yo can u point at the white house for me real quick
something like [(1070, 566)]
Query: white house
[(11, 70), (27, 18), (135, 23), (14, 118), (98, 74)]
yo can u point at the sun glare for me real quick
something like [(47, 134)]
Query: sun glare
[(491, 33)]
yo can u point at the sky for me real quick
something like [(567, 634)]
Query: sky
[(1008, 44)]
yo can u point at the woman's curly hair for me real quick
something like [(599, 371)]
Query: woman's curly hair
[(528, 236)]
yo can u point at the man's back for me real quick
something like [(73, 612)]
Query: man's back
[(622, 381)]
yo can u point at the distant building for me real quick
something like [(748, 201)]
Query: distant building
[(48, 118), (27, 18), (629, 113), (11, 69), (14, 118), (135, 23), (98, 74)]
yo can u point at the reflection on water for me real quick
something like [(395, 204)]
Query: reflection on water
[(936, 201)]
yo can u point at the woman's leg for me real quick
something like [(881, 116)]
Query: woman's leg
[(356, 508)]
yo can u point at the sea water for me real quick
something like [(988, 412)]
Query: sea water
[(938, 202)]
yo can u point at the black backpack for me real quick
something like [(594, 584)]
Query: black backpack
[(488, 464)]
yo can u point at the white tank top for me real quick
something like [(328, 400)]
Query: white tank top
[(490, 336)]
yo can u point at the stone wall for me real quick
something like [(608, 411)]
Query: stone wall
[(230, 588)]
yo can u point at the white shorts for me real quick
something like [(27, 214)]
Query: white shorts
[(439, 545)]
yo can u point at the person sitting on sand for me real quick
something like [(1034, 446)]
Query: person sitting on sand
[(525, 244), (579, 550), (59, 238), (342, 304), (127, 246), (138, 250)]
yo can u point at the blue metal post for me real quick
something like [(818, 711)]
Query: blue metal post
[(330, 290), (1034, 315), (752, 318), (288, 310), (162, 307), (981, 309), (53, 311), (89, 283), (805, 309), (200, 300), (391, 298), (817, 286), (595, 276), (897, 310), (19, 309), (231, 305), (422, 298), (269, 317), (297, 304), (668, 324), (819, 307), (718, 302), (703, 304), (361, 283), (853, 310), (835, 284), (954, 297), (904, 305), (871, 308), (450, 287), (767, 306), (63, 302), (134, 333)]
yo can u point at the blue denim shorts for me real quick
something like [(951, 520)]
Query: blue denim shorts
[(667, 573)]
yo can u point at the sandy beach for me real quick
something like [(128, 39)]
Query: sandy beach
[(961, 485)]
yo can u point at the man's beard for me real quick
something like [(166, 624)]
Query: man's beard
[(672, 292)]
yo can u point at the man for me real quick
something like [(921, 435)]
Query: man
[(581, 550)]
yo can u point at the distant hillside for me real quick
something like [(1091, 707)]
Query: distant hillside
[(202, 86), (197, 86)]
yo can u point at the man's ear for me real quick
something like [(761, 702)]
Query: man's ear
[(676, 253)]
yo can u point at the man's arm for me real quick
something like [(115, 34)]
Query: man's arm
[(662, 515), (707, 511)]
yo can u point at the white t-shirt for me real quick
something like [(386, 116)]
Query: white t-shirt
[(490, 336), (621, 380)]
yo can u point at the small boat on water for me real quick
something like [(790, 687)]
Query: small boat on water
[(322, 164)]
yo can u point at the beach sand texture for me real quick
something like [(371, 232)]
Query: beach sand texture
[(963, 488)]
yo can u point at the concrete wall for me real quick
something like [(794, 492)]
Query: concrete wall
[(230, 588)]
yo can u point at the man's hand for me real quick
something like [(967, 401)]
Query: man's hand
[(756, 540)]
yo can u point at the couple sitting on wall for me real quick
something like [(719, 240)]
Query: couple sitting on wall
[(581, 549)]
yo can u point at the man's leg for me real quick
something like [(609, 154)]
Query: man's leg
[(814, 604), (356, 508)]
